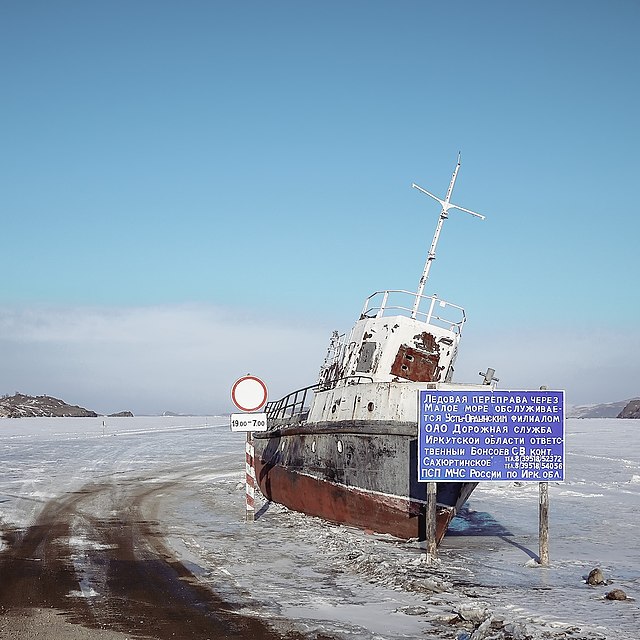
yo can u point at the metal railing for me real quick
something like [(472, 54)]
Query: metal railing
[(330, 384), (401, 302), (290, 405)]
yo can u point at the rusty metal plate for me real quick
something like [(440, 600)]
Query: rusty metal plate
[(416, 365)]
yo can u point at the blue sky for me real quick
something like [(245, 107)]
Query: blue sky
[(179, 180)]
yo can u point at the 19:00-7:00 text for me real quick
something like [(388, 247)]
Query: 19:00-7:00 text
[(248, 423)]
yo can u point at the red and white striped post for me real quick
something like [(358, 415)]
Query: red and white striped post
[(250, 479)]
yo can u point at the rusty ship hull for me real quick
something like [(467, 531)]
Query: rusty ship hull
[(359, 473)]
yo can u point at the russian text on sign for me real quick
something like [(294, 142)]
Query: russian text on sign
[(505, 435)]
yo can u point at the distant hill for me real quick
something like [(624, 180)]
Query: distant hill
[(631, 410), (611, 410), (23, 406)]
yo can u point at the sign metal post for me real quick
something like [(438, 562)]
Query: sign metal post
[(543, 532), (250, 480), (430, 533)]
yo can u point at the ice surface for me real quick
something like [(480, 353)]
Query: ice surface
[(320, 578)]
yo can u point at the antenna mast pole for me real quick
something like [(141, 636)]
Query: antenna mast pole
[(444, 214)]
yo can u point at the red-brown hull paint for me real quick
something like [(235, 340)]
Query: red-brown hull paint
[(394, 515)]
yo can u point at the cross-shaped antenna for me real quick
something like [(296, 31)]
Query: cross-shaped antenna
[(444, 214), (489, 376)]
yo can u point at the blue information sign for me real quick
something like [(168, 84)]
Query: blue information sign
[(471, 436)]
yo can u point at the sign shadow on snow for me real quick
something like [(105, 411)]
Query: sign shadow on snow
[(480, 523)]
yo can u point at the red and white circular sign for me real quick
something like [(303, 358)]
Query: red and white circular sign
[(249, 393)]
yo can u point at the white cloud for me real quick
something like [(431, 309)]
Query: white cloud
[(152, 359), (593, 366)]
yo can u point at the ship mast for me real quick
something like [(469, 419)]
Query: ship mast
[(444, 214)]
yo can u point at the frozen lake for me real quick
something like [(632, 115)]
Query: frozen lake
[(322, 580)]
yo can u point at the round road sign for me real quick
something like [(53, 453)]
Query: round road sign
[(249, 393)]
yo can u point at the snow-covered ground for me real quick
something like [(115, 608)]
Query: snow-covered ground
[(306, 574)]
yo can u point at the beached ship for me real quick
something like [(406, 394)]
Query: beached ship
[(346, 448)]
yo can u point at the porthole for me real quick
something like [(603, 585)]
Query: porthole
[(313, 446), (371, 406), (339, 446)]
